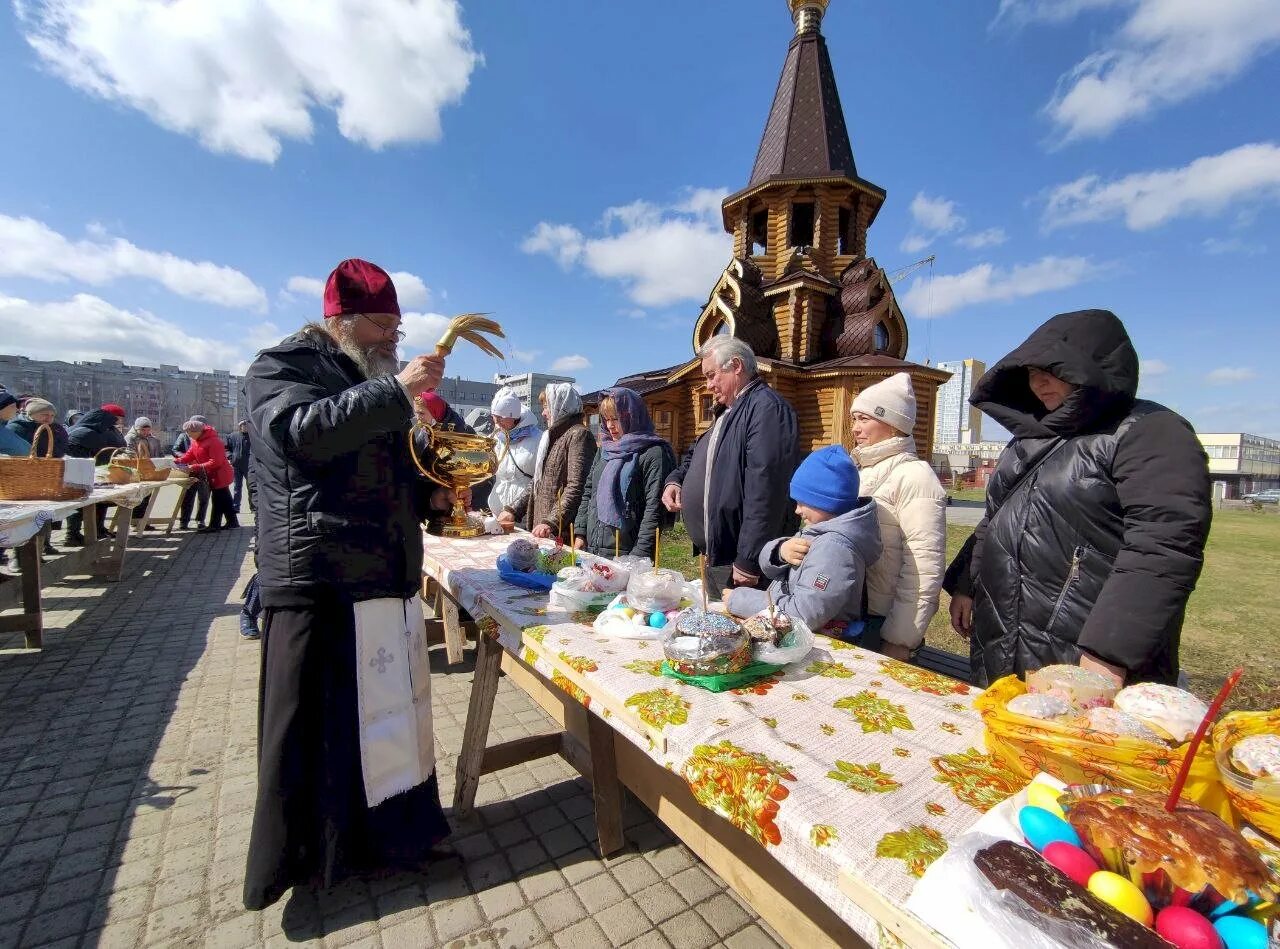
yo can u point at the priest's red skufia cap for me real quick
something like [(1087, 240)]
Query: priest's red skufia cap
[(357, 286)]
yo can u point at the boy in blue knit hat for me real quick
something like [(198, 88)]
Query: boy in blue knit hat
[(817, 576)]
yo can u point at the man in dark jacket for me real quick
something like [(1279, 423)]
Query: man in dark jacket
[(93, 434), (1097, 513), (346, 771), (238, 452), (732, 487)]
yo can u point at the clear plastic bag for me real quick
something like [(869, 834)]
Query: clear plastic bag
[(795, 645), (655, 590)]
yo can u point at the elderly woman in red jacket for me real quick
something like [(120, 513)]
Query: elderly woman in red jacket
[(207, 458)]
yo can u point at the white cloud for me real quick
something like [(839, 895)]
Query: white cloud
[(1150, 368), (1225, 375), (421, 330), (1021, 12), (29, 248), (572, 363), (991, 237), (931, 217), (1166, 52), (242, 76), (1217, 246), (525, 356), (88, 327), (986, 283), (662, 255), (1147, 199), (410, 290), (306, 286)]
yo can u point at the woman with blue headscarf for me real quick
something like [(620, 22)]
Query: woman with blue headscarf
[(622, 501)]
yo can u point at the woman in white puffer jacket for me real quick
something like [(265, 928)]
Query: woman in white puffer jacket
[(911, 506), (517, 431)]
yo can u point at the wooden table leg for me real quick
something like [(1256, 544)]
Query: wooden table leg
[(112, 565), (177, 508), (455, 638), (605, 786), (31, 622), (476, 733)]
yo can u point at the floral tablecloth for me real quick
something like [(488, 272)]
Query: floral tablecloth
[(21, 520), (845, 761)]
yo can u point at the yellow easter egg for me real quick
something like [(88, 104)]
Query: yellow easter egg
[(1041, 795), (1115, 890), (628, 612)]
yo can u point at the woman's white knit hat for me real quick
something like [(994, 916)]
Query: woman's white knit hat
[(892, 401), (506, 404)]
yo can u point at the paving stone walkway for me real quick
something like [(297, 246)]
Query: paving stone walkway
[(127, 756)]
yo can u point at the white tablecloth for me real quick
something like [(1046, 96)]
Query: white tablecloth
[(21, 520)]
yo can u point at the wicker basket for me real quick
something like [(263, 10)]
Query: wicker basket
[(34, 478), (139, 460), (120, 467)]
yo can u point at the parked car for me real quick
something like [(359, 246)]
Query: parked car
[(1269, 496)]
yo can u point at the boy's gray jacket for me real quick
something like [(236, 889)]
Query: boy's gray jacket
[(827, 586)]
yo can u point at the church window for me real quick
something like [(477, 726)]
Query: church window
[(802, 224), (706, 413), (760, 233), (845, 238), (881, 337)]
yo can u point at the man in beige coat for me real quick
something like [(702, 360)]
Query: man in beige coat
[(911, 506)]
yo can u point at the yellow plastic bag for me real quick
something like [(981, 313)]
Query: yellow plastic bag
[(1079, 755), (1256, 800)]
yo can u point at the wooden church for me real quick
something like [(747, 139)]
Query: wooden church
[(818, 312)]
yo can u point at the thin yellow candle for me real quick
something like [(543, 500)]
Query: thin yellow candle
[(657, 548), (617, 543), (702, 567), (560, 517)]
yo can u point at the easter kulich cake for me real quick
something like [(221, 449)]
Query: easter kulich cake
[(1083, 688), (705, 643), (1043, 706), (1257, 756), (1049, 891), (1112, 721), (1172, 713), (1196, 848), (763, 628)]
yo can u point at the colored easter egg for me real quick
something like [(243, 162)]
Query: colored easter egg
[(1240, 932), (1187, 929), (1041, 795), (628, 612), (1115, 890), (1042, 828), (657, 620), (640, 619), (1071, 860)]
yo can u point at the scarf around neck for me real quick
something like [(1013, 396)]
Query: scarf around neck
[(868, 456)]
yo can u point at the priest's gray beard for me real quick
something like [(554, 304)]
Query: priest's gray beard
[(375, 360)]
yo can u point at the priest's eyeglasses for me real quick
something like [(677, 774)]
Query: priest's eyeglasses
[(388, 329)]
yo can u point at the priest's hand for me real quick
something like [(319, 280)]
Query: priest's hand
[(442, 499), (465, 497), (422, 374), (671, 497)]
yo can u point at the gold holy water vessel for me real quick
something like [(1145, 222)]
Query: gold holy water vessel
[(457, 460)]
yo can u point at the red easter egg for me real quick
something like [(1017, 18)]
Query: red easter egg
[(1071, 860), (1187, 929)]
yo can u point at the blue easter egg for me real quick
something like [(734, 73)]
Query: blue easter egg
[(1042, 828), (658, 620), (1240, 932)]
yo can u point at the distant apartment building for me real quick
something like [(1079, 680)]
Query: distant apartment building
[(955, 420), (467, 395), (970, 463), (1240, 463), (529, 385), (165, 394)]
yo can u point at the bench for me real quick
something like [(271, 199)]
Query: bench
[(939, 660)]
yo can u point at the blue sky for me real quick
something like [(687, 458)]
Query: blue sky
[(178, 176)]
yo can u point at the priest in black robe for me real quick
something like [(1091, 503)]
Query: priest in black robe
[(346, 770)]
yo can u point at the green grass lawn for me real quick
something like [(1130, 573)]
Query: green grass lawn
[(1232, 619)]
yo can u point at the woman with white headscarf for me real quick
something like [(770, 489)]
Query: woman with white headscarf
[(518, 428), (561, 467)]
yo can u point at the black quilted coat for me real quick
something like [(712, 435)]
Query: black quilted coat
[(1097, 514), (339, 503)]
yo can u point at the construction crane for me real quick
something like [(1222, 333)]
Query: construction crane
[(908, 270)]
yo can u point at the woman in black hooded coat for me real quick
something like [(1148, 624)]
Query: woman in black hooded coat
[(1097, 513)]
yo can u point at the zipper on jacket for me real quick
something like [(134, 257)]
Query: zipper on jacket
[(1072, 575)]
